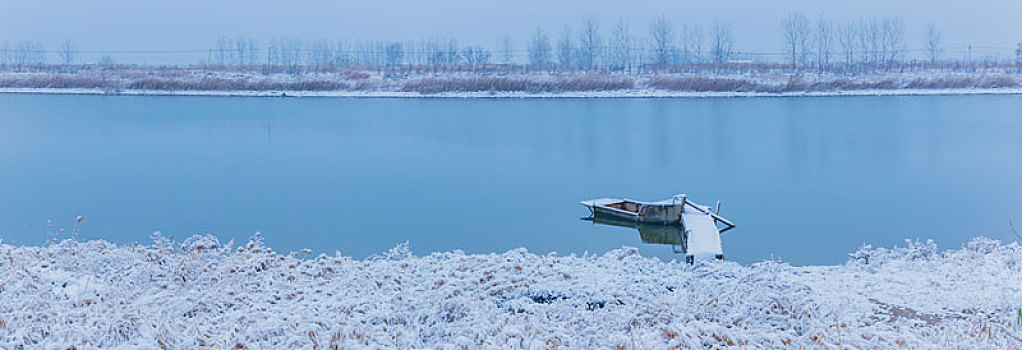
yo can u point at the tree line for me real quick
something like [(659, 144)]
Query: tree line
[(583, 48), (662, 44)]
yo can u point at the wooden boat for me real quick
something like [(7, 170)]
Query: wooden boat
[(662, 212), (698, 223)]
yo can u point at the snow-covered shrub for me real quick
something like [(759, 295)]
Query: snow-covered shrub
[(961, 80), (983, 245), (699, 83), (434, 85)]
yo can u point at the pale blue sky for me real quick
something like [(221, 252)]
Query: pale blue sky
[(194, 24)]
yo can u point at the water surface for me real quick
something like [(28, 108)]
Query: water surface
[(807, 180)]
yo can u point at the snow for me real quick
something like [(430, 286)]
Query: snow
[(355, 82), (602, 202), (703, 237), (203, 293), (634, 93), (675, 199)]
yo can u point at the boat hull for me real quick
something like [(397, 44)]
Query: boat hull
[(648, 213)]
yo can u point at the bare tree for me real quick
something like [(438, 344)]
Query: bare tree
[(566, 49), (419, 53), (471, 56), (619, 55), (253, 52), (37, 55), (5, 55), (539, 49), (342, 53), (824, 42), (721, 42), (847, 39), (870, 41), (105, 65), (245, 50), (363, 54), (1018, 52), (893, 39), (692, 36), (442, 53), (27, 54), (476, 56), (395, 54), (796, 36), (451, 52), (590, 43), (932, 42), (67, 55), (661, 31), (241, 51), (223, 53), (272, 56), (429, 49), (286, 53), (373, 53), (320, 55), (507, 50)]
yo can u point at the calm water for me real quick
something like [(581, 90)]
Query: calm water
[(807, 180)]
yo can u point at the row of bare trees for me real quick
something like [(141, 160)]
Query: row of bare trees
[(624, 51), (19, 56), (583, 48), (27, 54), (293, 55), (819, 43), (876, 42)]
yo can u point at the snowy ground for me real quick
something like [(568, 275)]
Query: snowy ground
[(633, 93), (144, 80), (202, 293)]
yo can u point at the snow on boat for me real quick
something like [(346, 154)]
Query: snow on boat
[(700, 225)]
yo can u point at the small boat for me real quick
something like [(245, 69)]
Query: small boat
[(667, 211), (698, 223)]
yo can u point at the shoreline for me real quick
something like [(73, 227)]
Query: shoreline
[(620, 94)]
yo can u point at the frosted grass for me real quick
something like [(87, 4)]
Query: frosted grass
[(355, 83), (203, 293)]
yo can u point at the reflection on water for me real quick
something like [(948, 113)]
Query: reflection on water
[(666, 234)]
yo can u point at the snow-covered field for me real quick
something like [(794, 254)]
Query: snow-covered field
[(143, 80), (202, 293)]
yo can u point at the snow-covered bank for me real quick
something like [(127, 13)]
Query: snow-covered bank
[(202, 293), (635, 93), (196, 81)]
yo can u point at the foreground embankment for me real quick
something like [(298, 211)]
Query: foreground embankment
[(133, 80), (202, 293)]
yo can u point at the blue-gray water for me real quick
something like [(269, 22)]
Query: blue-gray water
[(807, 180)]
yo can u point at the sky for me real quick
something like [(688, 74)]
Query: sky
[(991, 25)]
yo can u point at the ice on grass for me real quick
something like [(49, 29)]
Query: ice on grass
[(203, 293)]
